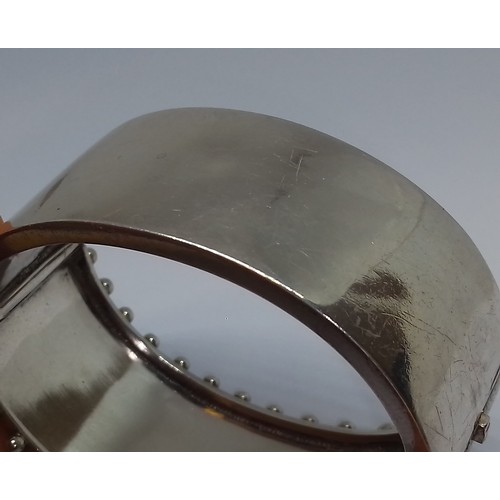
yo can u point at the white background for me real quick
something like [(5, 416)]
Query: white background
[(434, 116)]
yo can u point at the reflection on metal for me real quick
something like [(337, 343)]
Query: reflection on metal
[(92, 254), (339, 240), (275, 408), (107, 285), (243, 396), (211, 380), (17, 443), (345, 425), (127, 314), (183, 363), (482, 427), (152, 339), (310, 419)]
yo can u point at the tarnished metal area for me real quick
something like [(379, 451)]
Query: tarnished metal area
[(336, 238)]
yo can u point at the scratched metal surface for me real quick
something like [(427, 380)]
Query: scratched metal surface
[(360, 245)]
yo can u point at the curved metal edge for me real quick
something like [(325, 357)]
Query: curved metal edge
[(66, 232), (287, 429)]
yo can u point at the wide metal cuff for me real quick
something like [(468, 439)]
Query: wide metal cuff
[(337, 239)]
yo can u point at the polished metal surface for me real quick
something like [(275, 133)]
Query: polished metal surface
[(104, 389), (72, 379), (342, 242)]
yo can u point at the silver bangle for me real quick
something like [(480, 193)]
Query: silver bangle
[(337, 239)]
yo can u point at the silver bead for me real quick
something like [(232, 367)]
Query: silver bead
[(152, 339), (310, 418), (17, 443), (107, 284), (274, 408), (345, 425), (127, 313), (182, 363), (243, 396), (211, 380), (92, 255), (481, 429)]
